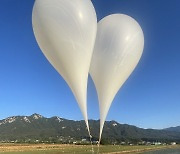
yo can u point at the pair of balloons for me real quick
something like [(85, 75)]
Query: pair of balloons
[(70, 38)]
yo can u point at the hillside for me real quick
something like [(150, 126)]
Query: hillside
[(56, 129), (173, 129)]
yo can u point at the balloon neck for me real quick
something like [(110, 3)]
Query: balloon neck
[(101, 129), (99, 140)]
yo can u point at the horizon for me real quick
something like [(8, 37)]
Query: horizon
[(83, 120), (148, 99)]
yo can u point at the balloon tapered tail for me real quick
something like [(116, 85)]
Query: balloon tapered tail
[(100, 134), (101, 129), (90, 136)]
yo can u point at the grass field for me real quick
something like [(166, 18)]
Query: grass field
[(82, 149)]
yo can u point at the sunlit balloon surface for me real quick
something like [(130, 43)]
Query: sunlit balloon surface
[(65, 31), (118, 48)]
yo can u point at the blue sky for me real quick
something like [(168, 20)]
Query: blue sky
[(150, 98)]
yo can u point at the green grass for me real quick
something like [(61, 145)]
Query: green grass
[(78, 149)]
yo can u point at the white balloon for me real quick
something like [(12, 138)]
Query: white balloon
[(65, 31), (118, 48)]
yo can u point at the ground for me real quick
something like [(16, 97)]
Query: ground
[(84, 149)]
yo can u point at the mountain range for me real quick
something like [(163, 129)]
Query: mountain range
[(55, 129), (174, 129)]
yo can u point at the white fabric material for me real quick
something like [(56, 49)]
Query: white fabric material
[(65, 31), (118, 48)]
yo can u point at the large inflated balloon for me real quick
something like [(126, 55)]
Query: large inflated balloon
[(65, 31), (118, 48)]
